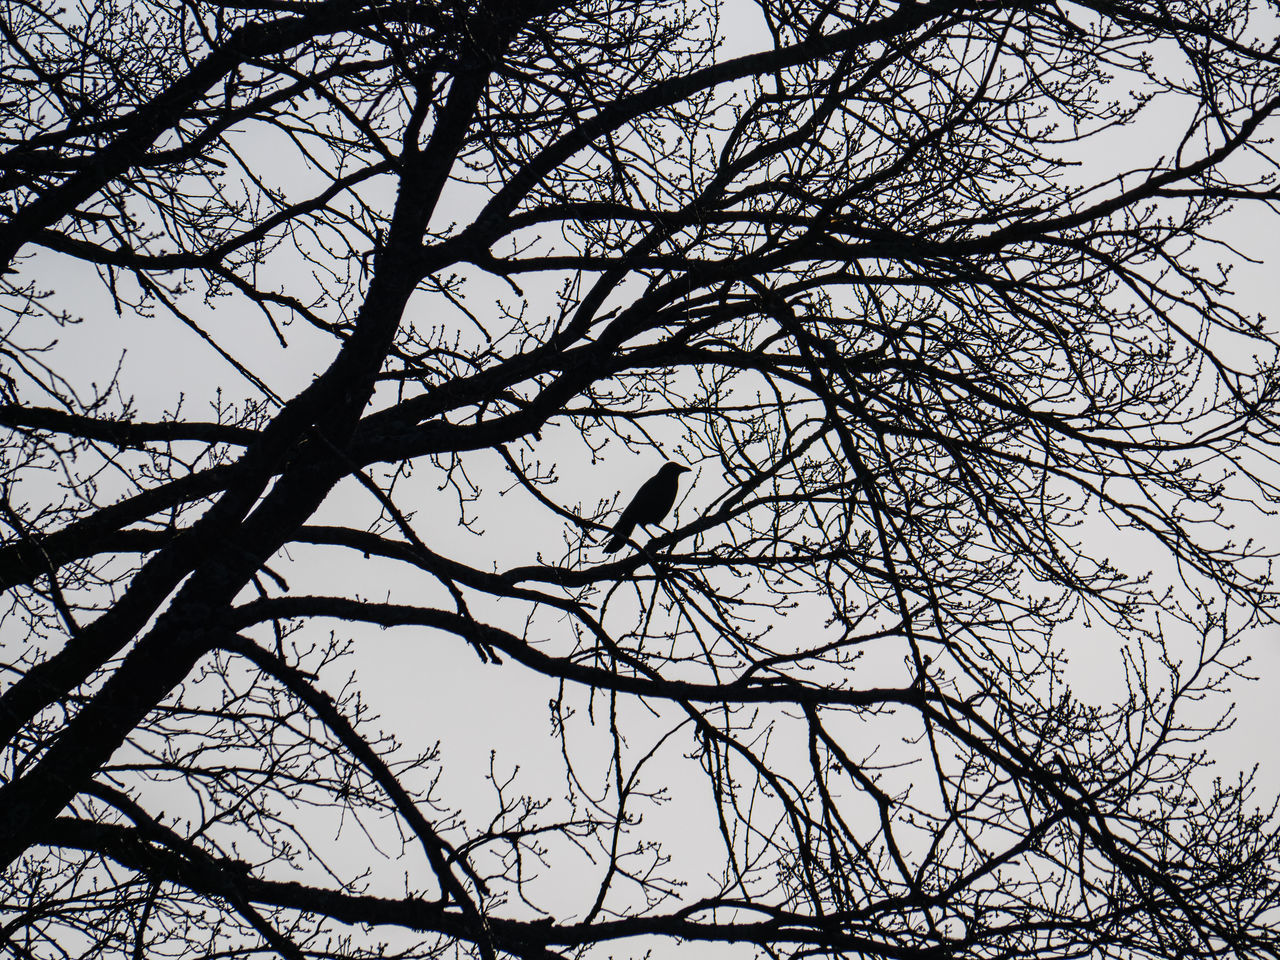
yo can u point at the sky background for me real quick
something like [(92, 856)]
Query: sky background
[(423, 684)]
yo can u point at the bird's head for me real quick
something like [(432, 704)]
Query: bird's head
[(675, 469)]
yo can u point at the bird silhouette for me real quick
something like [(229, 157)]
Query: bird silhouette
[(649, 505)]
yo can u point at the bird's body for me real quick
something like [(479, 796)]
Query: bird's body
[(649, 505)]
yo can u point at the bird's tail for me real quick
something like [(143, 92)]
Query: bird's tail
[(618, 539)]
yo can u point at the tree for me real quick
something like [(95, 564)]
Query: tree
[(937, 301)]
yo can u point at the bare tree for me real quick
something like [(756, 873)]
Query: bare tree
[(935, 300)]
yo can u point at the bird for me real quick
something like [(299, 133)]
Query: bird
[(649, 505)]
